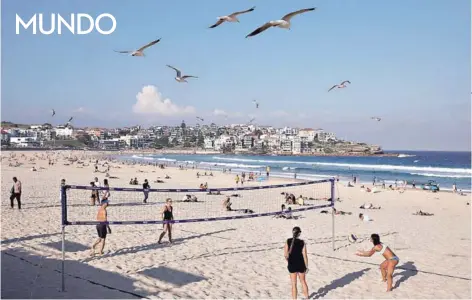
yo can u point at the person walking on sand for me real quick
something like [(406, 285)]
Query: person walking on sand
[(102, 228), (237, 179), (146, 188), (391, 260), (268, 171), (15, 193), (167, 215), (296, 255)]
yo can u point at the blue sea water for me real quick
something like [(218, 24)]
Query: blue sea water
[(446, 168)]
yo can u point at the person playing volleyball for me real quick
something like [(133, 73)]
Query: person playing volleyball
[(296, 256), (391, 260), (167, 215)]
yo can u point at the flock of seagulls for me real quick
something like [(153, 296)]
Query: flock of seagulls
[(284, 22)]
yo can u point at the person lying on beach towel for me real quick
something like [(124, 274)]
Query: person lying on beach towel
[(340, 212), (236, 195), (368, 206), (214, 193), (159, 181), (422, 213)]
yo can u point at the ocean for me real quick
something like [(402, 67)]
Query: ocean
[(445, 168)]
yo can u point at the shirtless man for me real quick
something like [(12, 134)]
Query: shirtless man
[(101, 228)]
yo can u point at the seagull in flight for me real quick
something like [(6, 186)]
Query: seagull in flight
[(340, 86), (256, 103), (53, 112), (283, 23), (376, 119), (179, 76), (201, 119), (140, 51), (70, 119), (231, 18), (252, 120)]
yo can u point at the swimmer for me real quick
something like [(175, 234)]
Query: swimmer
[(391, 260)]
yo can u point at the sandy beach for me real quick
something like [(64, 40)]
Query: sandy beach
[(223, 259)]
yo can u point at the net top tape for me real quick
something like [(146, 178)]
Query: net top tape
[(84, 187), (331, 204)]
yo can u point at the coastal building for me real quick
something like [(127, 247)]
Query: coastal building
[(307, 133), (64, 131), (24, 142)]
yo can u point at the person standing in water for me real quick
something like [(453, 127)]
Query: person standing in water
[(296, 256), (167, 215), (390, 262)]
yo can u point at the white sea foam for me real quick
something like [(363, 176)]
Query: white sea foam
[(230, 165), (355, 166), (440, 175), (405, 155)]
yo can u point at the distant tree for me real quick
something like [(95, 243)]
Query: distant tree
[(161, 142), (200, 140)]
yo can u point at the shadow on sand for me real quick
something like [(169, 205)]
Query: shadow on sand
[(409, 270), (337, 283)]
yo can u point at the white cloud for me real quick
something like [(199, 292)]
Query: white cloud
[(220, 112), (79, 110), (150, 101)]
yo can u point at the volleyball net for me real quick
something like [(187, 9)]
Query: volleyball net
[(127, 206)]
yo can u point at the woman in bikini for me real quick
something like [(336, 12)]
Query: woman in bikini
[(391, 260), (167, 215)]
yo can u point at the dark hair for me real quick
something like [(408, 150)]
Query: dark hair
[(283, 206), (375, 239), (14, 178), (296, 233), (105, 181)]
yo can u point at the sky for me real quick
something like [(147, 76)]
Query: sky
[(408, 63)]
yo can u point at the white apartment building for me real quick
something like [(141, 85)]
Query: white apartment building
[(307, 133), (26, 141), (296, 145), (286, 146), (326, 136), (208, 143), (64, 131)]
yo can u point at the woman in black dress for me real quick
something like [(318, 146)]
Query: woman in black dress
[(167, 215), (295, 254)]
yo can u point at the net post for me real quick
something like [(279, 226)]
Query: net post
[(333, 200), (63, 234)]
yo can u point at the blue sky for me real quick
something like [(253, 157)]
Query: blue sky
[(408, 61)]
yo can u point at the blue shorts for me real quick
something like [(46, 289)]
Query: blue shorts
[(395, 258)]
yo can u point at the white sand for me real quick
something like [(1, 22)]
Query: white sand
[(233, 259)]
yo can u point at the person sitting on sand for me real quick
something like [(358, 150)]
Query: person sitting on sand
[(422, 213), (391, 260), (282, 210), (202, 187), (227, 204), (131, 181), (206, 186), (301, 200), (167, 177), (135, 181), (364, 218), (349, 184)]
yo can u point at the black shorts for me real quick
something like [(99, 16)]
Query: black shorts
[(102, 231)]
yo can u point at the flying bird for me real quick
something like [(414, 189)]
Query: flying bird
[(140, 51), (283, 23), (70, 119), (231, 18), (376, 119), (201, 119), (340, 86), (179, 76), (256, 103), (252, 120), (53, 112)]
